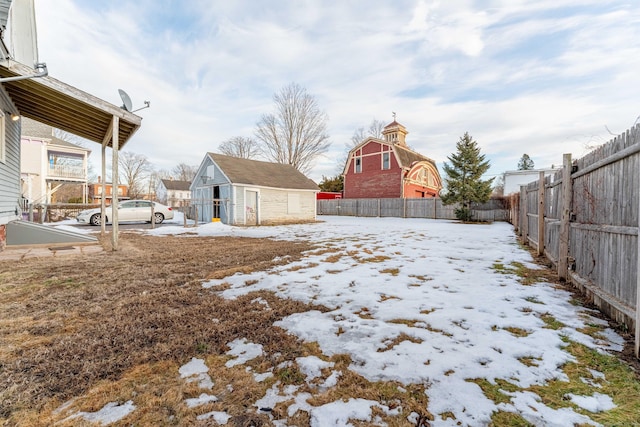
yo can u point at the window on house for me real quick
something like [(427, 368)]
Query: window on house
[(358, 165), (385, 161)]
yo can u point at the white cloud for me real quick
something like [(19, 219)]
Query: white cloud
[(542, 77)]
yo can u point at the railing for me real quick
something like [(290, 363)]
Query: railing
[(66, 171)]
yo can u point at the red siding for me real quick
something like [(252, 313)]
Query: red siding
[(373, 182)]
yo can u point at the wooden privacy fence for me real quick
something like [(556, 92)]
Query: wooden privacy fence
[(585, 220), (433, 208)]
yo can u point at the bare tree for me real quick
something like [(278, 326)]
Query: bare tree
[(135, 169), (374, 130), (297, 133), (240, 146), (184, 172)]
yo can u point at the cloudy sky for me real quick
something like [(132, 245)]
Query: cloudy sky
[(542, 77)]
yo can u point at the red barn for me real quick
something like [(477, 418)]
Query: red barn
[(387, 168)]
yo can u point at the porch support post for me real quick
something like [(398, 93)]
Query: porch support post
[(103, 204), (114, 183)]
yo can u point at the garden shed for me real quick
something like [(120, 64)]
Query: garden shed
[(239, 191)]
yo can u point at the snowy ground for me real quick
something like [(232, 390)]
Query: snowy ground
[(435, 282)]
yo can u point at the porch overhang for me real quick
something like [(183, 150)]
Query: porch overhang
[(65, 107)]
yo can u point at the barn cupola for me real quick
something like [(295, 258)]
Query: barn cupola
[(395, 133)]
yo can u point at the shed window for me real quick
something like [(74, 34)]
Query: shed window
[(385, 161), (358, 165)]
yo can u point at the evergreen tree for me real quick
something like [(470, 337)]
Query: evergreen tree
[(525, 163), (464, 184), (334, 184)]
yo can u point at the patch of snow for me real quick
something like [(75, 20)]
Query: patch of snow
[(201, 400), (110, 413), (274, 396), (338, 413), (312, 366), (530, 407), (596, 403), (194, 367), (243, 350), (261, 377), (220, 418), (196, 370)]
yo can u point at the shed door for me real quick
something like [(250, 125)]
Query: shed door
[(251, 217)]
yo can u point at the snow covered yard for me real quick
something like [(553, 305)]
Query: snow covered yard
[(433, 303), (387, 322)]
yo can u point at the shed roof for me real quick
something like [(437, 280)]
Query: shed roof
[(171, 184), (62, 106), (264, 174)]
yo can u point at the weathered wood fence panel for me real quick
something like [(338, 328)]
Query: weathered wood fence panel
[(432, 208), (591, 221)]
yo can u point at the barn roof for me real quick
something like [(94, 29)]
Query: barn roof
[(264, 174), (172, 184), (407, 157)]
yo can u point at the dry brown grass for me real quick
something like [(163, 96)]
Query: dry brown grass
[(111, 324)]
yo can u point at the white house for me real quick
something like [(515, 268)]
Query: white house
[(47, 163), (514, 179), (174, 192), (249, 192)]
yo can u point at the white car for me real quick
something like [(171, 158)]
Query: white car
[(129, 211)]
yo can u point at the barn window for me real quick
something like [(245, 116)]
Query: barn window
[(385, 161), (358, 165)]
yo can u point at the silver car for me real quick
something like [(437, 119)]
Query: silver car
[(129, 211)]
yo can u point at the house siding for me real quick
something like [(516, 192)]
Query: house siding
[(10, 168)]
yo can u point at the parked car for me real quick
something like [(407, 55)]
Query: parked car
[(129, 211)]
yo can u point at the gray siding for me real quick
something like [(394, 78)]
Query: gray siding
[(10, 168), (202, 193)]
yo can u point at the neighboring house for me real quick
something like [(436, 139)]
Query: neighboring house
[(95, 192), (249, 192), (47, 163), (514, 179), (173, 192), (387, 168)]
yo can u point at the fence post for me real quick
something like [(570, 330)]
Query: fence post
[(541, 214), (153, 216), (184, 216), (524, 215), (563, 246), (378, 208)]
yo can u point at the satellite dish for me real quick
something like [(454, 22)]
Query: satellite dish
[(126, 101)]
